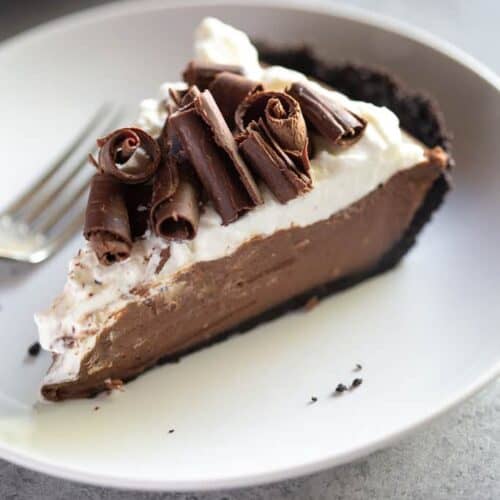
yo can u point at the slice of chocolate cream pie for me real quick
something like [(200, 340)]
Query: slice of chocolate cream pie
[(239, 194)]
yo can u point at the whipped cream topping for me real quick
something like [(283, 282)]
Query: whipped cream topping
[(218, 42), (94, 292)]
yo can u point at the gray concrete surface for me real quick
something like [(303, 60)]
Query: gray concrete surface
[(456, 457)]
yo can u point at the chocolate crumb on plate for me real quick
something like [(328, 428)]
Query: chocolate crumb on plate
[(314, 399), (34, 349), (356, 383), (171, 431), (96, 408), (340, 388), (358, 367), (97, 282)]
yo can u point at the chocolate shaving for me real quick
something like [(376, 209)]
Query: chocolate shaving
[(283, 118), (329, 118), (176, 96), (272, 164), (168, 140), (164, 256), (107, 226), (208, 110), (213, 153), (189, 96), (229, 90), (167, 177), (178, 218), (175, 212), (274, 142), (129, 154), (202, 74), (176, 193), (138, 201)]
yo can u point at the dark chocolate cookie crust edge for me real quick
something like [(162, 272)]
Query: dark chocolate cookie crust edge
[(419, 115)]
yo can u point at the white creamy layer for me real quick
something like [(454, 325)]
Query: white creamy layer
[(94, 292)]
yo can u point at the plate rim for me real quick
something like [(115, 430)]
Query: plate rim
[(353, 13)]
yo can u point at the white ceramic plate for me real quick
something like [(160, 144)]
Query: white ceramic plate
[(426, 334)]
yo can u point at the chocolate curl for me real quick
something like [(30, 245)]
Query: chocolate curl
[(178, 217), (175, 211), (272, 163), (138, 202), (283, 119), (208, 110), (107, 225), (229, 90), (176, 96), (166, 180), (191, 94), (328, 117), (176, 193), (213, 153), (202, 74), (168, 140), (128, 154)]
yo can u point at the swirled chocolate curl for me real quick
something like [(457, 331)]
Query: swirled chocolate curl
[(107, 225), (129, 154), (328, 117), (272, 163), (176, 196), (202, 74), (283, 119), (213, 152), (229, 90)]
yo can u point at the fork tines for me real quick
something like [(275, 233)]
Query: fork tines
[(52, 206)]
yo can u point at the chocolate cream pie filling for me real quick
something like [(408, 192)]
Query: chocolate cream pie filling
[(240, 193)]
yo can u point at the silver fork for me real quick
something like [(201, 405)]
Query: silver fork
[(42, 219)]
